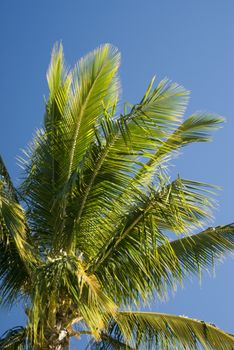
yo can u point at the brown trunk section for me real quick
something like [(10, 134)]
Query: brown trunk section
[(57, 344), (64, 346), (57, 339)]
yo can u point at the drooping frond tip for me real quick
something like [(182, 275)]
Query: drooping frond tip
[(198, 127), (151, 330)]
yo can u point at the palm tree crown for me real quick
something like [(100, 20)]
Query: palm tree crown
[(87, 236)]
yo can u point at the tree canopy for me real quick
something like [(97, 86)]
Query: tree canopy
[(98, 227)]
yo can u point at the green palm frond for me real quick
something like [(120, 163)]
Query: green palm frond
[(14, 274), (15, 250), (149, 330), (12, 224), (56, 73), (74, 106), (94, 84), (40, 159), (120, 146), (196, 128), (5, 179), (116, 177), (160, 264), (200, 250), (178, 206), (14, 339)]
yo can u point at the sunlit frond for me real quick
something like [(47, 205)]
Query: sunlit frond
[(200, 250), (74, 107), (149, 330), (121, 147), (115, 180), (57, 71), (196, 128), (94, 83), (160, 264), (177, 206)]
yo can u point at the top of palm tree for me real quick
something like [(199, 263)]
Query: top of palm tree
[(88, 233)]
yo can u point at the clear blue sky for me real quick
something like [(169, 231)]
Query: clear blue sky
[(191, 42)]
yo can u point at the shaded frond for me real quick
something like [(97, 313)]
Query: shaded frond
[(6, 181), (15, 250), (14, 339)]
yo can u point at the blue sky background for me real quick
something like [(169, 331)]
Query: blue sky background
[(190, 42)]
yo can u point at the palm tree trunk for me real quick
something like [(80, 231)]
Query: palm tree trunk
[(58, 340), (64, 346)]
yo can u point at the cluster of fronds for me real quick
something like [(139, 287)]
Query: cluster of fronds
[(88, 233)]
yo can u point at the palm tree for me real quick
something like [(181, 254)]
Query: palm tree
[(88, 235)]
